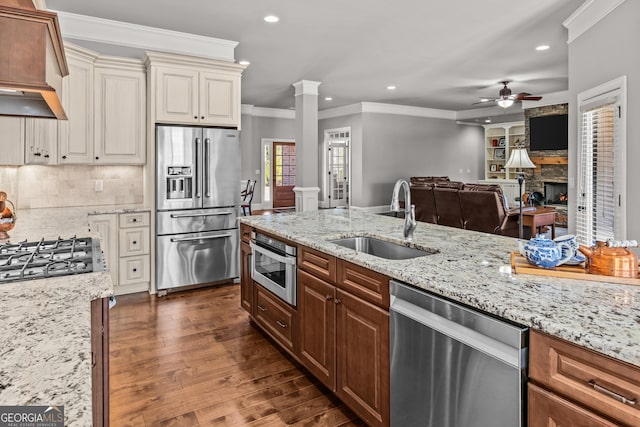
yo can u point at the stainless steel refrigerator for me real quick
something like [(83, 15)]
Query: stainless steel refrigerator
[(197, 200)]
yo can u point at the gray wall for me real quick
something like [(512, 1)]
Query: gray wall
[(605, 52), (253, 130), (403, 146)]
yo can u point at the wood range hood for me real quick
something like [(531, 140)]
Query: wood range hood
[(32, 61)]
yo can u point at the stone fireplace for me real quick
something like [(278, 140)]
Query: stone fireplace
[(550, 176)]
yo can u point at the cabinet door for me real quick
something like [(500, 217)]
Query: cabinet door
[(177, 95), (277, 318), (75, 135), (246, 283), (547, 409), (317, 311), (363, 358), (11, 141), (219, 99), (100, 361), (41, 141), (120, 116), (107, 226), (132, 270)]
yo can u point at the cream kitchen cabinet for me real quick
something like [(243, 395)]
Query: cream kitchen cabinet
[(120, 111), (126, 242), (75, 135), (105, 100), (197, 97), (11, 141), (41, 141), (190, 90)]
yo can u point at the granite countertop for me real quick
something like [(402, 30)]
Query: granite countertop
[(474, 268), (45, 347)]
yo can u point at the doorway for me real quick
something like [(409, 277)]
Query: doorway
[(337, 164), (284, 174)]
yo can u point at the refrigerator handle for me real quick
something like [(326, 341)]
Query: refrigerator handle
[(207, 152), (197, 168)]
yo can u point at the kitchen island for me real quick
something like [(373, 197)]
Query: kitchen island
[(46, 353), (474, 268)]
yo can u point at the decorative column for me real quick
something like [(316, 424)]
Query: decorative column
[(306, 189)]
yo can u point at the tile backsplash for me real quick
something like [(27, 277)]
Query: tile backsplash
[(71, 185)]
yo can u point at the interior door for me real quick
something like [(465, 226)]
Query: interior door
[(338, 173), (284, 174)]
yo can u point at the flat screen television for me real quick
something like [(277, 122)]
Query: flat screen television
[(548, 132)]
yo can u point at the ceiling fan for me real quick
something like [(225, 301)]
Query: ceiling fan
[(506, 99)]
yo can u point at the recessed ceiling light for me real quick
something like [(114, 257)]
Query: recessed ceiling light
[(391, 87), (542, 47), (244, 62), (271, 19), (328, 98), (488, 121), (484, 100)]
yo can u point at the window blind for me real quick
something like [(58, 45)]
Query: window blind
[(597, 196)]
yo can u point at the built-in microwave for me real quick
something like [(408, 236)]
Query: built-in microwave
[(273, 266)]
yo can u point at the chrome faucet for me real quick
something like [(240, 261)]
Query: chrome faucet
[(409, 209)]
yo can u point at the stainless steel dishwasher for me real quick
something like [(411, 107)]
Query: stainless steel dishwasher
[(452, 366)]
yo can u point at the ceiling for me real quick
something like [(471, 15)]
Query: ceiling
[(444, 55)]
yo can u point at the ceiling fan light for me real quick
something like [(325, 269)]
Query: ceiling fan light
[(505, 102)]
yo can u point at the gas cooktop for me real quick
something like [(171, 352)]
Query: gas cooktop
[(49, 258)]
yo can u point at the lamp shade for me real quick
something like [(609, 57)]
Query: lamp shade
[(519, 158)]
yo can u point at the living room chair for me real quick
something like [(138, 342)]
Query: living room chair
[(490, 215), (247, 197)]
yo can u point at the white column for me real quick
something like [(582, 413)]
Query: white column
[(306, 189)]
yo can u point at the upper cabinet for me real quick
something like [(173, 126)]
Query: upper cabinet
[(120, 100), (105, 100), (11, 141), (41, 141), (75, 135), (189, 90)]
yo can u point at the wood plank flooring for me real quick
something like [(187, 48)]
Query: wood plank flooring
[(194, 359)]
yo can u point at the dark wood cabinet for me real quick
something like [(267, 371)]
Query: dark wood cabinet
[(246, 283), (317, 310), (100, 361), (363, 357), (277, 318), (604, 390), (547, 409)]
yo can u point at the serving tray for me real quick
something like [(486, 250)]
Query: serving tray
[(520, 265)]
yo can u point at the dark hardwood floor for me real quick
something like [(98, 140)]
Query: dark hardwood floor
[(193, 359)]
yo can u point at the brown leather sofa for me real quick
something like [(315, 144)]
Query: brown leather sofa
[(477, 207)]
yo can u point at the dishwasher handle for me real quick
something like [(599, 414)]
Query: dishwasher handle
[(512, 356)]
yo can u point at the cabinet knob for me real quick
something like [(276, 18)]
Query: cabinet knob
[(202, 117), (195, 117), (135, 269), (97, 158), (37, 154), (135, 242), (134, 220), (282, 325), (64, 157), (329, 297), (337, 301), (46, 156)]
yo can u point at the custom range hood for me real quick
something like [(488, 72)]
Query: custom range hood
[(32, 61)]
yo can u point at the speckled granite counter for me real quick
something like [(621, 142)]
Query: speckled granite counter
[(45, 345), (473, 268)]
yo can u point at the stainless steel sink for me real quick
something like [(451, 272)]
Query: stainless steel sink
[(381, 248)]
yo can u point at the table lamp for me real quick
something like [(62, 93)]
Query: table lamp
[(519, 159)]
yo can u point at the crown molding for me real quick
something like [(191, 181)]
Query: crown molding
[(276, 113), (306, 87), (345, 110), (588, 15), (554, 98), (100, 30)]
